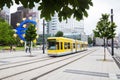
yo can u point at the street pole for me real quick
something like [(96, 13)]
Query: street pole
[(43, 36), (75, 41), (112, 41)]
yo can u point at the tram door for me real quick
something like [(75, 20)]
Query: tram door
[(71, 46), (59, 46)]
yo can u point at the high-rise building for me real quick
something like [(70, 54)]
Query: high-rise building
[(22, 13), (52, 26), (16, 18), (68, 27), (5, 14), (19, 15)]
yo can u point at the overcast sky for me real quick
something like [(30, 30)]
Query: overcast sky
[(99, 7)]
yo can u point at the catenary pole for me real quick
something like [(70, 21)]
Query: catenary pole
[(43, 36), (112, 41)]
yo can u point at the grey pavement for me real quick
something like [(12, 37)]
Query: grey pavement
[(90, 67), (16, 56), (116, 51)]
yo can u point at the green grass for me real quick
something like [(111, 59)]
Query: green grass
[(8, 47)]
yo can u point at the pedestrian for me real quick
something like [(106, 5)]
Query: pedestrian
[(10, 48), (14, 48), (26, 49), (29, 50)]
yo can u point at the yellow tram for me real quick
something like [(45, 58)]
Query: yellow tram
[(58, 46)]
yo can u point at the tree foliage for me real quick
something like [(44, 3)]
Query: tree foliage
[(6, 33), (2, 20), (104, 28), (59, 34), (64, 8), (30, 34), (90, 41)]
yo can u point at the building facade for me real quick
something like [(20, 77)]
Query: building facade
[(68, 27), (5, 14), (21, 13)]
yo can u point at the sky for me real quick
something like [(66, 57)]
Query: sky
[(14, 8), (101, 7)]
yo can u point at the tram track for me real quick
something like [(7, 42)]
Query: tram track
[(41, 75), (12, 57), (116, 56), (45, 65), (23, 61), (117, 60)]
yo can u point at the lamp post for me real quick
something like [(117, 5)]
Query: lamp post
[(43, 36), (112, 41), (75, 41)]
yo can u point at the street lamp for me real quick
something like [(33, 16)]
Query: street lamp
[(75, 41), (112, 41), (43, 36)]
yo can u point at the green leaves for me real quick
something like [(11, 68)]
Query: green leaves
[(104, 28), (90, 41), (59, 34), (64, 8), (6, 33), (7, 2), (30, 34)]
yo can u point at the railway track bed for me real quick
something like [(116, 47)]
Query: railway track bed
[(33, 70)]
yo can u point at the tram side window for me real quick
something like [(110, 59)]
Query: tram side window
[(73, 45), (78, 45), (82, 45), (68, 45), (51, 45), (57, 43), (65, 45)]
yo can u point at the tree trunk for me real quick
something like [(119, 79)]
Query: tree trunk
[(30, 48), (104, 50)]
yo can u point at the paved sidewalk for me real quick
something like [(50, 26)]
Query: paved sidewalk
[(91, 67), (14, 56)]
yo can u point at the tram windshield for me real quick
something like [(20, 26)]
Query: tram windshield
[(52, 44)]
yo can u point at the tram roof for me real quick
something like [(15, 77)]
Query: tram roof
[(59, 38)]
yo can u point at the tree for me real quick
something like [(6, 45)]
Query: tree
[(64, 8), (90, 41), (6, 33), (105, 30), (59, 34), (2, 20), (30, 34)]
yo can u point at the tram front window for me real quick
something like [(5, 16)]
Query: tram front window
[(51, 45)]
